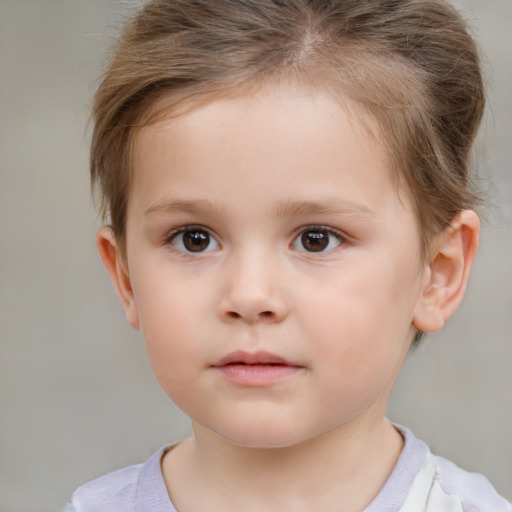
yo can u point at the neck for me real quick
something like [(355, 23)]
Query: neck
[(347, 465)]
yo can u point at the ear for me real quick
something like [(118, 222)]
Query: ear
[(447, 272), (115, 262)]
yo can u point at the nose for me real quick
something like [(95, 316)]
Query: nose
[(252, 291)]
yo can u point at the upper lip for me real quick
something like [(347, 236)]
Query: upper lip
[(260, 357)]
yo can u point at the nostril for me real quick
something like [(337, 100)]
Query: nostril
[(262, 315)]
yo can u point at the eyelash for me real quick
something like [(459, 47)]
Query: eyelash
[(175, 233), (320, 229), (298, 238)]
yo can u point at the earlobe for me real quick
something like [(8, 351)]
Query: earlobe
[(115, 262), (447, 272)]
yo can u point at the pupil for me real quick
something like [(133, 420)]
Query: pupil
[(315, 241), (196, 241)]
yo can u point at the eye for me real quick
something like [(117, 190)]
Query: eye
[(192, 239), (317, 239)]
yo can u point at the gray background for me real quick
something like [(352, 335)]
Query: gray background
[(77, 398)]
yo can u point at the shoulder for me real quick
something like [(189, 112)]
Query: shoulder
[(422, 481), (473, 490), (114, 492), (140, 487)]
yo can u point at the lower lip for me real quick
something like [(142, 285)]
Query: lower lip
[(257, 375)]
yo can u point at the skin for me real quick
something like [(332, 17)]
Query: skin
[(254, 173)]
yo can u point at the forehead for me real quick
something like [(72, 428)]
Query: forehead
[(283, 139), (274, 101)]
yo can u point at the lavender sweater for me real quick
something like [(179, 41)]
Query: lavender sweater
[(420, 482)]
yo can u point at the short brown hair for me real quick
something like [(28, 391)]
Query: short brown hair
[(411, 64)]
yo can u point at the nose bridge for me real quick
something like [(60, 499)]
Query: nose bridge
[(252, 291)]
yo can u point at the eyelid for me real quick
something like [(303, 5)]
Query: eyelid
[(321, 227)]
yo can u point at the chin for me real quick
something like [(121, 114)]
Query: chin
[(262, 442), (263, 435)]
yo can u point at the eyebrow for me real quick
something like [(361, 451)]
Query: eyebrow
[(283, 209), (200, 205), (324, 207)]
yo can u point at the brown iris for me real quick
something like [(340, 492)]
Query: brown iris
[(315, 240), (196, 241)]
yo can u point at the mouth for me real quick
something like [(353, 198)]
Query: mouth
[(256, 369), (257, 358)]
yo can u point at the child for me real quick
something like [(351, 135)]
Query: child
[(290, 208)]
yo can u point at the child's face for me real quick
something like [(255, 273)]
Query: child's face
[(267, 229)]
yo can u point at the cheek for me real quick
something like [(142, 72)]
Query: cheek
[(168, 321), (363, 320)]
